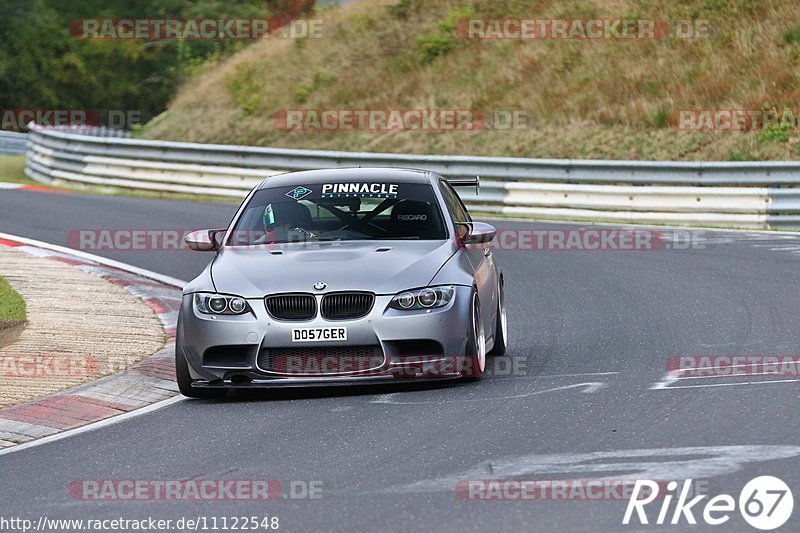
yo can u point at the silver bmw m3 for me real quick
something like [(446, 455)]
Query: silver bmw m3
[(342, 277)]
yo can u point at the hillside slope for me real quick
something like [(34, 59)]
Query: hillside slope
[(599, 98)]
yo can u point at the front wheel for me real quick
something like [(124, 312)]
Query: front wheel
[(475, 353), (501, 324)]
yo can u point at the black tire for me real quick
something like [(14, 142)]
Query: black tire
[(501, 324), (185, 381), (475, 355)]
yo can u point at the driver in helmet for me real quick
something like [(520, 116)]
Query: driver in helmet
[(284, 221)]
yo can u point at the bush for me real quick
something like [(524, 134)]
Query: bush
[(439, 43)]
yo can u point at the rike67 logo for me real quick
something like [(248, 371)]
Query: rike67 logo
[(765, 503)]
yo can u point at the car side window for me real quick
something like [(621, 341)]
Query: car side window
[(457, 210), (455, 206)]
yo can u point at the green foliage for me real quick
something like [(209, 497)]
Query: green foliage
[(434, 45), (736, 155), (661, 118), (773, 135), (244, 86), (400, 10), (723, 8), (363, 22), (444, 39), (780, 130), (44, 66), (792, 36), (319, 80)]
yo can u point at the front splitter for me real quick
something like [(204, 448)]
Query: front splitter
[(321, 382)]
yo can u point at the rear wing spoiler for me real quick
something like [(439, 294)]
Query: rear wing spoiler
[(466, 182)]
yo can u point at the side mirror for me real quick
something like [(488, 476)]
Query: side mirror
[(205, 240), (478, 233)]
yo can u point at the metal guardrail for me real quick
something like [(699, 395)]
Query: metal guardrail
[(721, 194), (16, 143), (12, 143)]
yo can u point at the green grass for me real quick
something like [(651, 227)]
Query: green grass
[(135, 193), (792, 36), (12, 170), (12, 306)]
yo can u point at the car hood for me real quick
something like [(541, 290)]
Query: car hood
[(383, 267)]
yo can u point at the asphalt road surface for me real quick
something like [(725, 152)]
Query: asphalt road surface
[(592, 333)]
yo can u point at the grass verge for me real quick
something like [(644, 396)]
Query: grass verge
[(12, 170), (12, 306)]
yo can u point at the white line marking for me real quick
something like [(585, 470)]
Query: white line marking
[(752, 364), (733, 375), (765, 382), (655, 463), (589, 388), (699, 229), (6, 185), (166, 280), (571, 375), (677, 375), (94, 425), (665, 382)]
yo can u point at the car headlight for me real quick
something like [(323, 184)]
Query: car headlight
[(217, 304), (427, 298)]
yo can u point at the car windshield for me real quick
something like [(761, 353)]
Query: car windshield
[(338, 211)]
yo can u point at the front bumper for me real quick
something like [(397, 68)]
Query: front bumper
[(223, 351)]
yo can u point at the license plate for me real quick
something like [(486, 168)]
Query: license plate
[(319, 334)]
